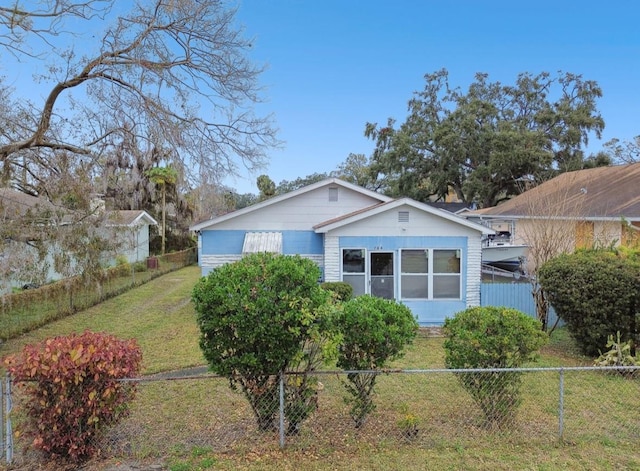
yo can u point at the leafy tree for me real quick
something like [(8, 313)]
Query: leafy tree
[(258, 317), (492, 337), (375, 331), (624, 151), (482, 143), (170, 75), (597, 294), (287, 186), (357, 169), (266, 187)]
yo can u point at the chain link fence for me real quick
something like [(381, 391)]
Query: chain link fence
[(413, 408)]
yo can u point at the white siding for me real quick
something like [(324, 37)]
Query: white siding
[(300, 213), (420, 224), (215, 261), (331, 258), (474, 270)]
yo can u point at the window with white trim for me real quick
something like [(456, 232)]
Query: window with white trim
[(430, 274), (354, 269), (414, 274), (446, 274)]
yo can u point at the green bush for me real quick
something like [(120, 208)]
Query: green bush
[(342, 291), (74, 392), (259, 317), (374, 331), (492, 337), (595, 292)]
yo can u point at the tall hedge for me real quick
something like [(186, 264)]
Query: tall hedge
[(597, 293)]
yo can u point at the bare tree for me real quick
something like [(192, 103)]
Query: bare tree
[(555, 222), (170, 74)]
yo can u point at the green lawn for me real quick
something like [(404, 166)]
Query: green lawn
[(201, 424)]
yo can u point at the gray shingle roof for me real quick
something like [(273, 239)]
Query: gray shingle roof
[(602, 192)]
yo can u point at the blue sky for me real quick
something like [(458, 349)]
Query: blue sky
[(335, 65)]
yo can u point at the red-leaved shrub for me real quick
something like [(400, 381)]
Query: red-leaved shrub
[(73, 389)]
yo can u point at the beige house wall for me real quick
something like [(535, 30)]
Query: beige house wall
[(552, 237)]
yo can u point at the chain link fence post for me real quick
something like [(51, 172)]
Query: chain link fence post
[(9, 432), (1, 419), (561, 406), (281, 422)]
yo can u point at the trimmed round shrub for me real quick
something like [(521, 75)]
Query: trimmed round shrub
[(596, 293), (341, 290), (258, 317), (492, 337), (74, 390), (374, 331)]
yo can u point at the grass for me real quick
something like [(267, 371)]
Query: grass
[(201, 424)]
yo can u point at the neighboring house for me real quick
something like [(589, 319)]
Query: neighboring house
[(20, 261), (595, 207), (424, 257), (132, 228)]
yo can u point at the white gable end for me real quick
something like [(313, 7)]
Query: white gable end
[(301, 212), (405, 220)]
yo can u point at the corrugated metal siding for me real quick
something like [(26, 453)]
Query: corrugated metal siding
[(514, 295), (256, 242)]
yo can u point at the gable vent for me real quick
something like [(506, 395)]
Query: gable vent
[(333, 193), (403, 216)]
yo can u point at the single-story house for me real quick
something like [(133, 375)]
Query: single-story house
[(427, 258), (594, 207), (132, 228), (25, 262)]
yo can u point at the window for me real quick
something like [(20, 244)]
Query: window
[(353, 269), (446, 274), (333, 193), (414, 273), (430, 274)]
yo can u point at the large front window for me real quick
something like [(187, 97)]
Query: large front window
[(419, 274), (430, 274)]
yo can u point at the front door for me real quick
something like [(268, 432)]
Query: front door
[(381, 275)]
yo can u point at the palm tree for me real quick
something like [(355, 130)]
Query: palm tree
[(163, 176)]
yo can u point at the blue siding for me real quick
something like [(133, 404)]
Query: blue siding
[(393, 243), (302, 242), (222, 242), (230, 242), (514, 295), (434, 312), (428, 312)]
